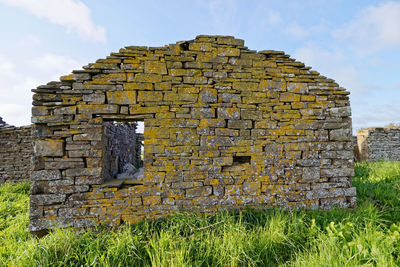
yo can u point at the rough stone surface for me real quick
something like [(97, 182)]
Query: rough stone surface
[(15, 153), (225, 127), (379, 143)]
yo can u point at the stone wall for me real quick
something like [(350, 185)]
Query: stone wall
[(379, 143), (3, 124), (225, 127), (16, 150)]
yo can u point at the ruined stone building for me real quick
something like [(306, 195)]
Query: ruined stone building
[(15, 153), (224, 127), (379, 144)]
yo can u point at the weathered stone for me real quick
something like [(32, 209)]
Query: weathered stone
[(231, 98), (199, 191), (343, 134), (47, 175), (98, 98), (208, 95), (240, 124), (229, 113), (155, 67), (49, 147), (251, 188), (83, 172), (150, 96), (46, 199), (121, 97), (203, 113), (340, 112), (311, 174), (223, 127), (97, 109)]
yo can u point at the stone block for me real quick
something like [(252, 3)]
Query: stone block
[(95, 98), (149, 96), (343, 134), (155, 67), (199, 191), (208, 95), (311, 174), (49, 148), (203, 113), (83, 172), (122, 97), (229, 113), (46, 199), (97, 109), (146, 78), (46, 175), (228, 51), (251, 188), (240, 124), (245, 86)]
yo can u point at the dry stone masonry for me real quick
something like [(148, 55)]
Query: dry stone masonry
[(15, 153), (379, 144), (224, 127)]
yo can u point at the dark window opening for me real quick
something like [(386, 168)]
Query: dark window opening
[(123, 153), (185, 46), (238, 160)]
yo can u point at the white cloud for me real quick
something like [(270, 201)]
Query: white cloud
[(29, 40), (223, 13), (315, 55), (72, 14), (297, 31), (333, 64), (15, 104), (376, 28), (328, 63), (273, 17), (15, 114), (15, 88), (6, 67), (54, 65), (376, 116)]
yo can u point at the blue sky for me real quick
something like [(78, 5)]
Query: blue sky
[(356, 43)]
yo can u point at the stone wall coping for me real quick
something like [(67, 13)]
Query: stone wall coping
[(371, 129)]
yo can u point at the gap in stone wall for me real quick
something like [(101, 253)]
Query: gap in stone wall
[(237, 160), (123, 151)]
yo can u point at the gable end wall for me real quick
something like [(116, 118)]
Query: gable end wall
[(225, 127)]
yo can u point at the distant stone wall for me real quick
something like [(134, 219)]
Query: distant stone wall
[(3, 124), (379, 143), (15, 153), (121, 147)]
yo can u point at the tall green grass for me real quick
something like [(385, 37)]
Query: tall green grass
[(366, 236)]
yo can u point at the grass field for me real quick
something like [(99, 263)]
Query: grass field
[(366, 236)]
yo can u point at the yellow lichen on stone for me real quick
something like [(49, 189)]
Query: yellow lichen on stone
[(121, 97)]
